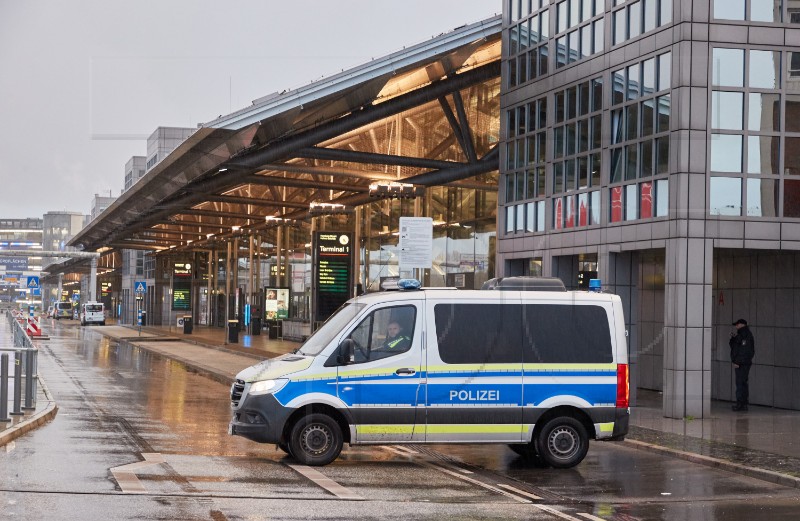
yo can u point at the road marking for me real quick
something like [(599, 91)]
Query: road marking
[(555, 512), (590, 516), (518, 491), (326, 483), (126, 474)]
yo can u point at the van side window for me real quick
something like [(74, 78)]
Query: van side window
[(565, 334), (383, 333), (479, 333)]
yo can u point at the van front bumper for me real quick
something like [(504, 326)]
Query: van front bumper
[(259, 418)]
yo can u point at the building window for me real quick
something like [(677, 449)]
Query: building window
[(746, 139), (579, 30), (725, 196), (525, 177), (639, 17), (640, 123), (753, 10), (527, 56)]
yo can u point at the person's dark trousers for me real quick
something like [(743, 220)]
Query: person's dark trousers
[(742, 386)]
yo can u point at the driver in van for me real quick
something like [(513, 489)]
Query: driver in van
[(395, 339)]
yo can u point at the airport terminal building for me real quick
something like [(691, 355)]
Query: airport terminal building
[(655, 144)]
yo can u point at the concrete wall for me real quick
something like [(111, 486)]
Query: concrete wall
[(763, 287)]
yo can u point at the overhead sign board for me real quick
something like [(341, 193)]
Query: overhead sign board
[(14, 263), (333, 274), (416, 242)]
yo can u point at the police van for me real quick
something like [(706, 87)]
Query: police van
[(539, 368)]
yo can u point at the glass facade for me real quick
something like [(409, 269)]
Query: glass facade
[(754, 150)]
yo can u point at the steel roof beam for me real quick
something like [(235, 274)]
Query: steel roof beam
[(214, 213), (352, 156), (231, 199), (331, 171), (301, 183)]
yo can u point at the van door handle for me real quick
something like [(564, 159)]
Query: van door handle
[(405, 371)]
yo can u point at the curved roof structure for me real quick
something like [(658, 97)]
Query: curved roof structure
[(427, 115)]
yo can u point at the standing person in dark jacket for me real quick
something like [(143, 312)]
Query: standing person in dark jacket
[(742, 351)]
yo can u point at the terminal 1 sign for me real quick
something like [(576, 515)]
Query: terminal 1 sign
[(181, 286), (333, 266)]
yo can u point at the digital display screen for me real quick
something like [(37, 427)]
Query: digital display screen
[(333, 271), (182, 287)]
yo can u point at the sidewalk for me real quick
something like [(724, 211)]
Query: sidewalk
[(760, 443)]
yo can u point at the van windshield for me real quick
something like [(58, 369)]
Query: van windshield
[(332, 327), (64, 305)]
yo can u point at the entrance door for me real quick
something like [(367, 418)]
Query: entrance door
[(381, 384)]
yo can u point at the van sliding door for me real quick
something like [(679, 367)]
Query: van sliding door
[(474, 384)]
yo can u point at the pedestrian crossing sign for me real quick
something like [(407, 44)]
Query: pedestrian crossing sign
[(33, 282), (140, 287)]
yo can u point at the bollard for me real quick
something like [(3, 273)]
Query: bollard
[(17, 384), (4, 388), (30, 389)]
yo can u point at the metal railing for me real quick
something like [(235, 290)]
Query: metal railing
[(25, 362)]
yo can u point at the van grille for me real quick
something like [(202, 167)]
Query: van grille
[(236, 392)]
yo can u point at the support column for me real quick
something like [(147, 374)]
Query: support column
[(93, 281), (250, 281), (227, 291), (209, 293), (278, 258), (687, 325), (357, 247)]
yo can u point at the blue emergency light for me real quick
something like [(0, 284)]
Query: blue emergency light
[(595, 285)]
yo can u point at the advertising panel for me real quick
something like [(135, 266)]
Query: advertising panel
[(276, 305)]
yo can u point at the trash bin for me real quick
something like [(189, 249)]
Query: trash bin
[(187, 325), (273, 330), (144, 318), (233, 331), (255, 324)]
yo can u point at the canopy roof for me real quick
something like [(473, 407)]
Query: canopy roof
[(426, 115)]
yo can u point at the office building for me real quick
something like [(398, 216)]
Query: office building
[(652, 144)]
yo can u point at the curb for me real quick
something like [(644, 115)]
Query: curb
[(753, 472), (35, 421)]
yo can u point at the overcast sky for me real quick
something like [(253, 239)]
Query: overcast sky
[(83, 83)]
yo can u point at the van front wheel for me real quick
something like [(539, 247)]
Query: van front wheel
[(316, 440), (563, 442)]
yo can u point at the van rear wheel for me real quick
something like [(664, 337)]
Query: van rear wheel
[(316, 440), (563, 442)]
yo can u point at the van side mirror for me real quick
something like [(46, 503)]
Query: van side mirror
[(345, 351)]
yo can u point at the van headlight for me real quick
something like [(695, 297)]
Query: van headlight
[(267, 386)]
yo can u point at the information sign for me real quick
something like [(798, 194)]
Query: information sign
[(333, 260), (181, 286), (416, 242)]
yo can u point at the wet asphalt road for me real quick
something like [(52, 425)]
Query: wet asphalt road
[(119, 405)]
